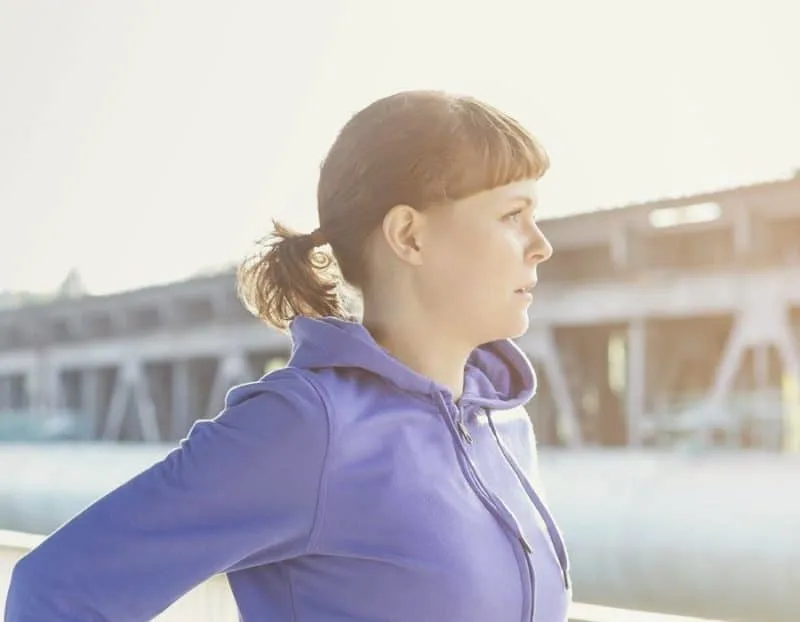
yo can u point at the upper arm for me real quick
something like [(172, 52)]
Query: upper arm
[(240, 490)]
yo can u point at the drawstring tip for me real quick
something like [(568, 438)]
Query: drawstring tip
[(464, 432)]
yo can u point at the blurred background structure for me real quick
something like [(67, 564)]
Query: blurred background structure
[(668, 330), (143, 147), (669, 323)]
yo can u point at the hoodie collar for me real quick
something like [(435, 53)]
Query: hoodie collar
[(497, 376)]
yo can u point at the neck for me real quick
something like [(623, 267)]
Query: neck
[(419, 344)]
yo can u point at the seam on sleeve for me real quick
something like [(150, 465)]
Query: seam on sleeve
[(292, 599), (322, 490)]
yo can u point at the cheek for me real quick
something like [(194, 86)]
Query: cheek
[(460, 251), (478, 264)]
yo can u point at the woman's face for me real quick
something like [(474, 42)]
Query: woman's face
[(480, 259)]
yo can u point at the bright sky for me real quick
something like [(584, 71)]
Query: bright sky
[(144, 141)]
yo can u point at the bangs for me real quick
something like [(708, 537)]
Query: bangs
[(494, 150)]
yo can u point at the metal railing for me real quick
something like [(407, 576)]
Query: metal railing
[(583, 612)]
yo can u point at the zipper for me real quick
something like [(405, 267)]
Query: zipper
[(461, 435), (555, 535)]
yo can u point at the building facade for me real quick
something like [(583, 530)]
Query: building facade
[(675, 321)]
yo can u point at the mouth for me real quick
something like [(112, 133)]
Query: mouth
[(526, 291)]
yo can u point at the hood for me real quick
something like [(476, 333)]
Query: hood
[(498, 376)]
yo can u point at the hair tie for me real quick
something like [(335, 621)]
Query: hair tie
[(317, 237)]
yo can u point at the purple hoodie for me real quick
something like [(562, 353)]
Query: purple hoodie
[(345, 487)]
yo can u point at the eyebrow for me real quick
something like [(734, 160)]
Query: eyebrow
[(526, 200)]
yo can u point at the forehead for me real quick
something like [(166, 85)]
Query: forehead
[(524, 191)]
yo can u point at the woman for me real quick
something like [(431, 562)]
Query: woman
[(387, 473)]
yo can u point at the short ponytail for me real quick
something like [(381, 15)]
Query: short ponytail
[(417, 148), (290, 276)]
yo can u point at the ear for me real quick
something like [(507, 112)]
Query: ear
[(402, 229)]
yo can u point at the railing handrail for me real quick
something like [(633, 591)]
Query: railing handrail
[(580, 612), (585, 612), (19, 540)]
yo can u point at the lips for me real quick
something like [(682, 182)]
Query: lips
[(527, 289)]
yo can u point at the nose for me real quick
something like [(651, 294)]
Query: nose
[(539, 248)]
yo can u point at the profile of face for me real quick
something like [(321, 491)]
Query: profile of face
[(475, 261)]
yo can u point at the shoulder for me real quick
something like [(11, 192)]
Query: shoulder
[(291, 385), (284, 406)]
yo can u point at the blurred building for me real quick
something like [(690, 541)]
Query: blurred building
[(678, 320), (670, 322)]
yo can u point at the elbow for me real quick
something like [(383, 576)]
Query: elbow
[(27, 596), (19, 591), (41, 589)]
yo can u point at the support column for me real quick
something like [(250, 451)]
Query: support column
[(540, 343), (729, 364), (232, 369), (132, 389), (43, 386), (761, 322), (6, 387), (636, 380), (181, 416), (90, 398), (789, 352), (18, 394)]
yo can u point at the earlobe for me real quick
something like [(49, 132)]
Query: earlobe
[(402, 228)]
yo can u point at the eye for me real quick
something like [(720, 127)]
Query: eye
[(513, 216)]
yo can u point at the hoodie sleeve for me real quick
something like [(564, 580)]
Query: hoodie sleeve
[(240, 490)]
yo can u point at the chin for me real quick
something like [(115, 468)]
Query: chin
[(520, 328), (512, 328)]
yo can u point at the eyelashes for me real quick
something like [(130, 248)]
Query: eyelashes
[(516, 214)]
